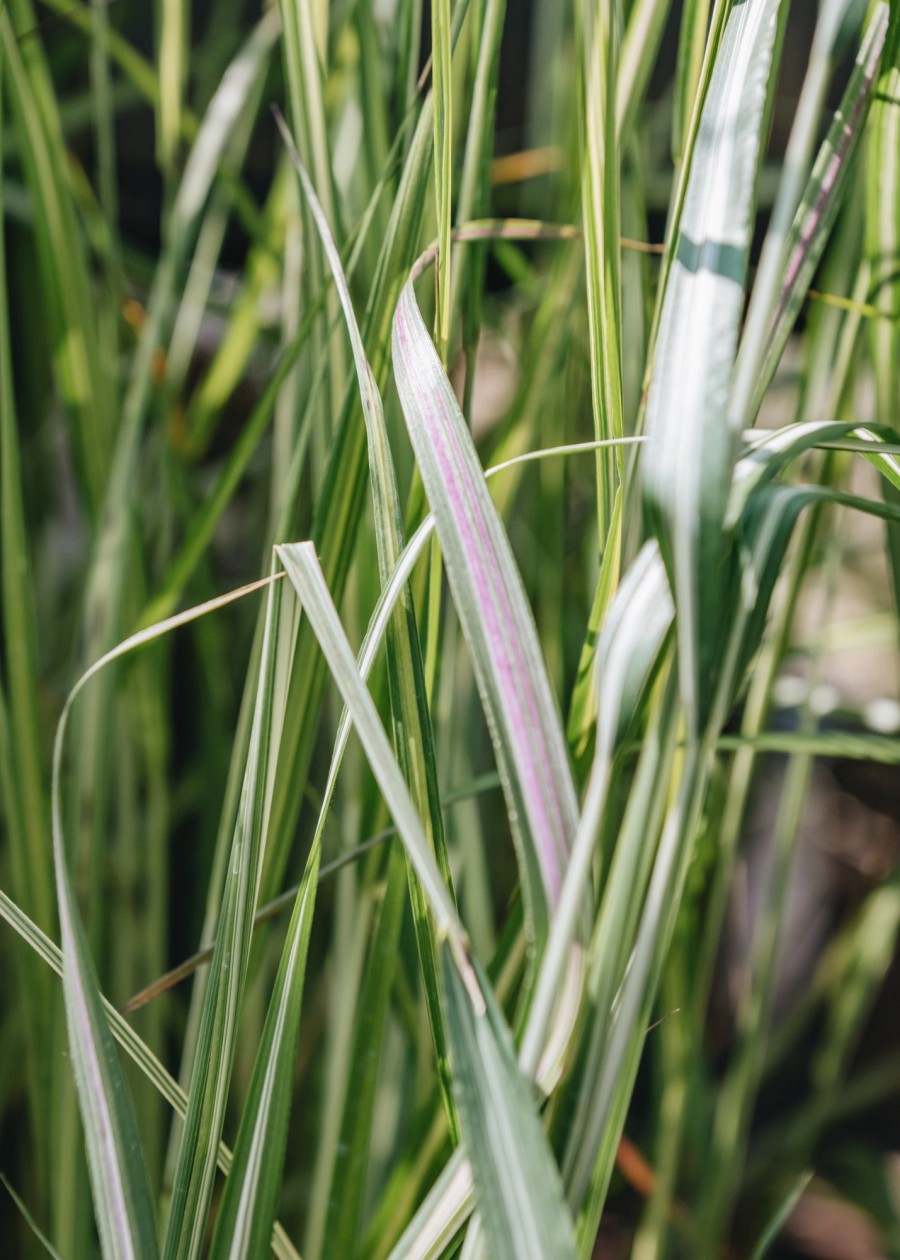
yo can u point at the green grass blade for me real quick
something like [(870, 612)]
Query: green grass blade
[(494, 614), (210, 1076), (122, 1203), (441, 55), (413, 743), (64, 273), (510, 1150), (173, 20), (253, 1188), (811, 227), (32, 1224), (687, 470), (517, 1184), (136, 1049), (601, 214)]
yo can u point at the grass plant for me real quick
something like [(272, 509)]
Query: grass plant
[(427, 732)]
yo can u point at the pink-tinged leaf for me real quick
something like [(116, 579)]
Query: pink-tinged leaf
[(495, 617)]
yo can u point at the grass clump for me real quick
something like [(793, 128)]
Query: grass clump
[(464, 860)]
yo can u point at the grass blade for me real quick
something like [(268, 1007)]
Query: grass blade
[(509, 1151), (495, 617), (818, 208), (687, 471), (210, 1077)]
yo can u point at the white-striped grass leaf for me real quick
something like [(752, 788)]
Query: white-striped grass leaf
[(600, 212), (687, 468), (339, 508), (616, 926), (582, 720), (628, 650), (599, 1127), (766, 527), (510, 1151), (305, 574), (882, 247), (305, 51), (414, 746), (851, 745), (815, 215), (768, 284), (133, 1045), (639, 622), (495, 617), (517, 1185), (691, 43), (883, 225), (640, 44), (211, 1070), (770, 451), (441, 65), (253, 1188)]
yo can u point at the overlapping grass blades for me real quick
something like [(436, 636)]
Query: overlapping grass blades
[(589, 954), (524, 1203), (210, 1077)]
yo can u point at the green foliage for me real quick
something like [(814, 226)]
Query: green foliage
[(445, 1048)]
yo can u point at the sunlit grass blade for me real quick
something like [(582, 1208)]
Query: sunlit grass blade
[(601, 213), (495, 616), (687, 469)]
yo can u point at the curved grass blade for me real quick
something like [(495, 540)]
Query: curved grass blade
[(32, 1224), (414, 746), (500, 1126), (122, 1203), (495, 616), (210, 1076), (136, 1049), (687, 470)]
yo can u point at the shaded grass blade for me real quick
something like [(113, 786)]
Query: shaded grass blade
[(208, 1092), (818, 208)]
